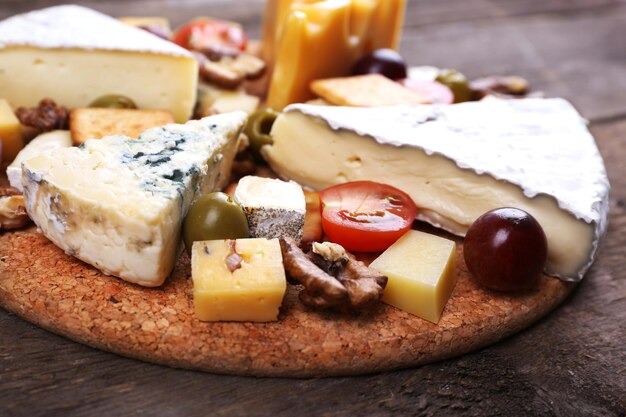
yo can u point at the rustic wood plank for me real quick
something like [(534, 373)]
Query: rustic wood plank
[(578, 57)]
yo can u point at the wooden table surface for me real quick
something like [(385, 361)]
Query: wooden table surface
[(572, 363)]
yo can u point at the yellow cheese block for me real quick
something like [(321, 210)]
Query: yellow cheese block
[(422, 274), (10, 132), (306, 40), (248, 286)]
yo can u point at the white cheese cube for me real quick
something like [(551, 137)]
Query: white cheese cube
[(274, 208)]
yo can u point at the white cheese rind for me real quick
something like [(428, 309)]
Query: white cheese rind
[(72, 26), (75, 55), (274, 208), (118, 203), (41, 145), (459, 161)]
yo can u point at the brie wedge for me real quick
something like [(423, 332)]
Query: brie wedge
[(118, 203), (458, 162), (75, 55)]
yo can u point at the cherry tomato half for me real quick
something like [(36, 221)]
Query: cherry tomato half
[(209, 34), (366, 216)]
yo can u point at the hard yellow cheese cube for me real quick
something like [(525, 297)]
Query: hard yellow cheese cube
[(422, 274), (10, 132), (237, 280)]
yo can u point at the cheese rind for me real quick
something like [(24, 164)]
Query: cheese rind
[(274, 208), (75, 55), (117, 203), (457, 162), (251, 290), (421, 273), (41, 145)]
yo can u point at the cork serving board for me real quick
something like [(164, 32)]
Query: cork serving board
[(57, 292)]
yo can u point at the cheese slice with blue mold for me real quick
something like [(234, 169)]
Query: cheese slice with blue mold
[(460, 161), (118, 203)]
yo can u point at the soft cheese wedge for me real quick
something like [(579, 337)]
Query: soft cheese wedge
[(237, 280), (458, 162), (421, 273), (74, 55), (41, 145), (118, 203)]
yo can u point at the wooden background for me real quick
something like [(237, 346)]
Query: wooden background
[(573, 363)]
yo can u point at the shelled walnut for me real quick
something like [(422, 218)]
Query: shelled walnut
[(332, 278), (48, 115), (13, 212), (230, 71)]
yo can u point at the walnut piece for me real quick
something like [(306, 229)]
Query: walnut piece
[(13, 212), (229, 71), (339, 281), (45, 117), (504, 87)]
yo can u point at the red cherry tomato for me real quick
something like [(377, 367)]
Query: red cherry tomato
[(366, 216), (432, 91), (208, 34)]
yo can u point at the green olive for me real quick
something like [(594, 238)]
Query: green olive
[(214, 216), (457, 82), (258, 129), (114, 101)]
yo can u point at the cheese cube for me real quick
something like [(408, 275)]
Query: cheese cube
[(237, 280), (421, 272), (274, 208), (10, 132), (43, 144)]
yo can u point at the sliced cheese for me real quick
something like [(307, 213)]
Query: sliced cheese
[(74, 55), (421, 273), (41, 145), (118, 203), (11, 141), (274, 208), (306, 40), (457, 162), (237, 280)]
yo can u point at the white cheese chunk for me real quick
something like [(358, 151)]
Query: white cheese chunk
[(274, 208), (74, 55), (41, 145), (457, 162), (118, 203)]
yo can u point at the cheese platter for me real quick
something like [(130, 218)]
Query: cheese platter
[(373, 217)]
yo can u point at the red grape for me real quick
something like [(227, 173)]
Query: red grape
[(381, 61), (506, 249)]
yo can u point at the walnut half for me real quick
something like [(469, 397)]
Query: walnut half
[(13, 212), (332, 278)]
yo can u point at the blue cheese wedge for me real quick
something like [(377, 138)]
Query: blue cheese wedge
[(458, 162), (74, 55), (118, 203), (274, 208), (41, 145)]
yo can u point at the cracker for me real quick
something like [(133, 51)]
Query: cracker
[(88, 123), (372, 90)]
